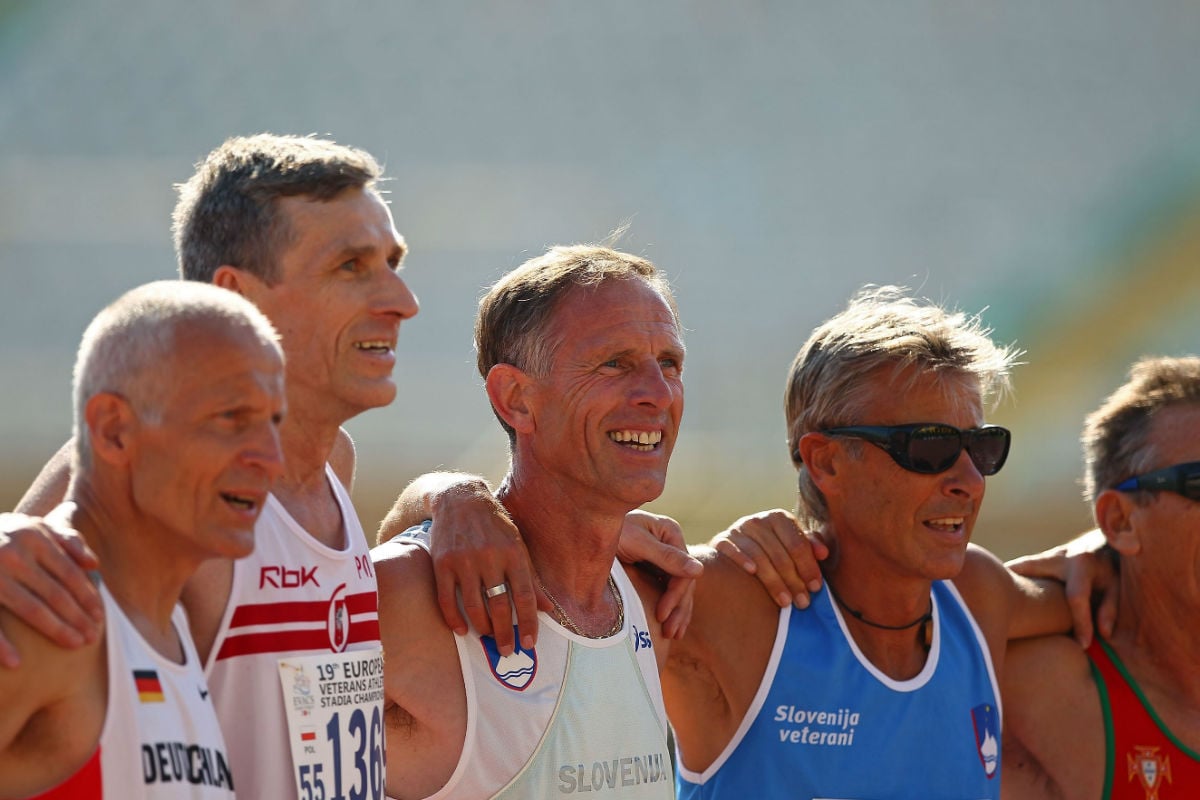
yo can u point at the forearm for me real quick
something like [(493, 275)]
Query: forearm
[(420, 499), (50, 486)]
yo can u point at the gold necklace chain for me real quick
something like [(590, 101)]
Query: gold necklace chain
[(569, 623)]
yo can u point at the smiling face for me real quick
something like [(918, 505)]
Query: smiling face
[(202, 468), (338, 303), (605, 417), (904, 522)]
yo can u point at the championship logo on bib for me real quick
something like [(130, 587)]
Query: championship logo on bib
[(987, 737), (515, 671)]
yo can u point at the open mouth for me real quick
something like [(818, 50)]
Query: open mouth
[(241, 502), (642, 441), (946, 524)]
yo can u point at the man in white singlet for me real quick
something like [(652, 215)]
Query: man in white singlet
[(582, 354), (178, 401)]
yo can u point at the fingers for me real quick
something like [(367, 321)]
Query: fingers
[(448, 582), (42, 583), (1106, 614), (784, 559), (1081, 616), (524, 598), (497, 604), (674, 608)]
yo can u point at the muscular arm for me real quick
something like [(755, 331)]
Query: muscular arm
[(425, 708), (1054, 745), (54, 707), (714, 671)]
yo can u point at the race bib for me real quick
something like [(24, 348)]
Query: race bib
[(334, 708)]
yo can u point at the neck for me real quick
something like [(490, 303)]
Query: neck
[(572, 550), (139, 565), (306, 449), (1147, 639), (890, 621)]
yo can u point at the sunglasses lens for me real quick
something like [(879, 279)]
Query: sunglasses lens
[(933, 449), (1189, 482), (988, 448)]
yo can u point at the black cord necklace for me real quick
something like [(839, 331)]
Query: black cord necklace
[(925, 620)]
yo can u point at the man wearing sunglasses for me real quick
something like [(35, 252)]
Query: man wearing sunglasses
[(1122, 720), (887, 686)]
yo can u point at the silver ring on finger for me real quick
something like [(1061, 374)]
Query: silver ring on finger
[(496, 590)]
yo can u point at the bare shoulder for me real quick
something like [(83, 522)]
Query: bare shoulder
[(1053, 724), (50, 486), (54, 708), (342, 458)]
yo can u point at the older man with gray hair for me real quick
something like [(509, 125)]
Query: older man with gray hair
[(179, 394)]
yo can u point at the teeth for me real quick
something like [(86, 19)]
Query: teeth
[(379, 344), (641, 440), (947, 522), (239, 501)]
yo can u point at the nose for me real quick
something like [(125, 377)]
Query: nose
[(964, 479), (396, 298), (265, 452), (653, 389)]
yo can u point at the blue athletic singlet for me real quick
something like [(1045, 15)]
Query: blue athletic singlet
[(826, 723)]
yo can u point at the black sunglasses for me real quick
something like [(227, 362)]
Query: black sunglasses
[(931, 447), (1183, 479)]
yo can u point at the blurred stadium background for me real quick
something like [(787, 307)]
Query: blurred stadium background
[(1039, 160)]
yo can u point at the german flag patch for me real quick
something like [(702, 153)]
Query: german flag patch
[(148, 687)]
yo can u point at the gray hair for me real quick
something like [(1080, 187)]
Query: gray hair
[(126, 346), (828, 386), (227, 211), (1116, 436), (515, 313)]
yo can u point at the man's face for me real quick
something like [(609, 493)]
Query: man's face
[(1167, 523), (203, 470), (338, 304), (608, 412), (902, 522)]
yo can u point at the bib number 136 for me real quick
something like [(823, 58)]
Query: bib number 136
[(334, 706), (363, 741)]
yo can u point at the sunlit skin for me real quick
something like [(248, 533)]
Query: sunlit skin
[(202, 471), (617, 370), (887, 520), (338, 305)]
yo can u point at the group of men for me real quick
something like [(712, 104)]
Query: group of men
[(889, 684)]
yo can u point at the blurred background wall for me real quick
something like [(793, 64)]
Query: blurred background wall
[(1038, 160)]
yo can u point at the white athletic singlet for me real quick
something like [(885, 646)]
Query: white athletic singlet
[(573, 715), (281, 670), (160, 739)]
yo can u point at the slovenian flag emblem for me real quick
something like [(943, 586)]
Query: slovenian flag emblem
[(148, 687)]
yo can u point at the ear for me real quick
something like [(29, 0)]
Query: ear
[(819, 453), (1114, 514), (110, 424), (235, 279), (509, 390)]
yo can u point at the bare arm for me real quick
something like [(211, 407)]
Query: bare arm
[(1088, 568), (1054, 745), (425, 706), (50, 486), (54, 708)]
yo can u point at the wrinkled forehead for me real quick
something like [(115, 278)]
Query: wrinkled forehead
[(613, 310), (1174, 436)]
